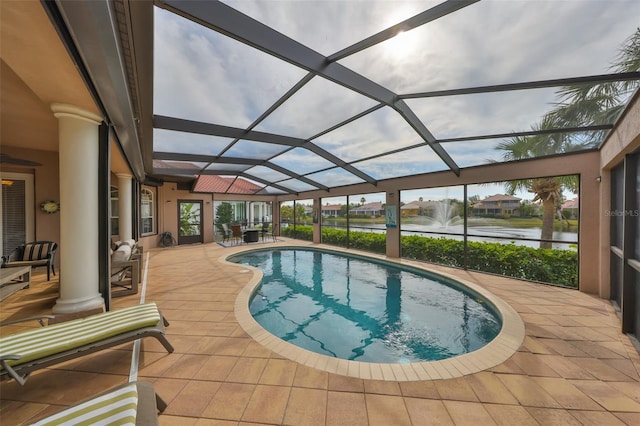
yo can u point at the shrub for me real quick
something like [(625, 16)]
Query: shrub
[(544, 265), (367, 241), (336, 237), (300, 232)]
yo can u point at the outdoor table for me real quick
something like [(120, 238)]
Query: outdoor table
[(7, 275), (251, 235)]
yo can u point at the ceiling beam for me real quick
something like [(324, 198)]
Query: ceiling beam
[(267, 183), (247, 176), (94, 29), (559, 130), (541, 84), (188, 126), (421, 129), (181, 125), (422, 18), (230, 22), (249, 162)]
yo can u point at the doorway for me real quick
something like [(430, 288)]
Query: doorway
[(16, 211), (190, 228)]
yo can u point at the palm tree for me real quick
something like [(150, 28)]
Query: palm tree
[(362, 200), (547, 190), (580, 105), (592, 104)]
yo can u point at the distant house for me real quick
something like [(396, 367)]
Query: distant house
[(331, 210), (419, 208), (371, 209), (498, 205), (570, 208)]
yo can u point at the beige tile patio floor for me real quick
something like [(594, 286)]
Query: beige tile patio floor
[(574, 366)]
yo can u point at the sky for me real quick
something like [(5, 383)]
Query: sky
[(205, 76), (434, 194)]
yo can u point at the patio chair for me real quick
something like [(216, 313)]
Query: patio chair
[(37, 348), (125, 269), (236, 232), (34, 254), (131, 403), (226, 232), (265, 233)]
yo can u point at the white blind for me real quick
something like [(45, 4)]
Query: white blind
[(13, 215)]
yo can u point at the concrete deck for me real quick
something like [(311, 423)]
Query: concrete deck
[(574, 366)]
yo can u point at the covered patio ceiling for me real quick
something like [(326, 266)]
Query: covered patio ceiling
[(295, 96)]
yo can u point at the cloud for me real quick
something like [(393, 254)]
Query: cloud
[(254, 150), (320, 104), (302, 161), (191, 143), (405, 163), (297, 185), (482, 114), (329, 26), (267, 173), (335, 177), (473, 153), (202, 75), (381, 131), (495, 42)]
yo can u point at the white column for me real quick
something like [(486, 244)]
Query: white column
[(78, 157), (125, 230)]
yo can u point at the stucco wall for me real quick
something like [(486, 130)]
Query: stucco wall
[(623, 140), (168, 196), (46, 187)]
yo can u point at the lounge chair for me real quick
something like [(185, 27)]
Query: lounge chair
[(37, 348), (132, 403)]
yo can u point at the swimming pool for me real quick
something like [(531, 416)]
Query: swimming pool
[(367, 310)]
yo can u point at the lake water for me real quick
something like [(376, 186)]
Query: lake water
[(477, 232)]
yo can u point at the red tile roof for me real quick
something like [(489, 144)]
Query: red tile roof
[(242, 186), (501, 197), (219, 184), (571, 204), (369, 207), (331, 207), (420, 205)]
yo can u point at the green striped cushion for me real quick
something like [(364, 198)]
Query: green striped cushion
[(41, 342), (115, 408)]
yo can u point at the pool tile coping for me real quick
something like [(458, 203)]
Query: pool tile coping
[(494, 353)]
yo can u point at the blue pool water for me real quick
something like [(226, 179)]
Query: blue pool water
[(359, 309)]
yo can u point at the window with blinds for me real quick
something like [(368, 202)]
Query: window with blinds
[(14, 227), (147, 225)]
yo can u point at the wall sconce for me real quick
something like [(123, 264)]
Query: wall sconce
[(599, 179)]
